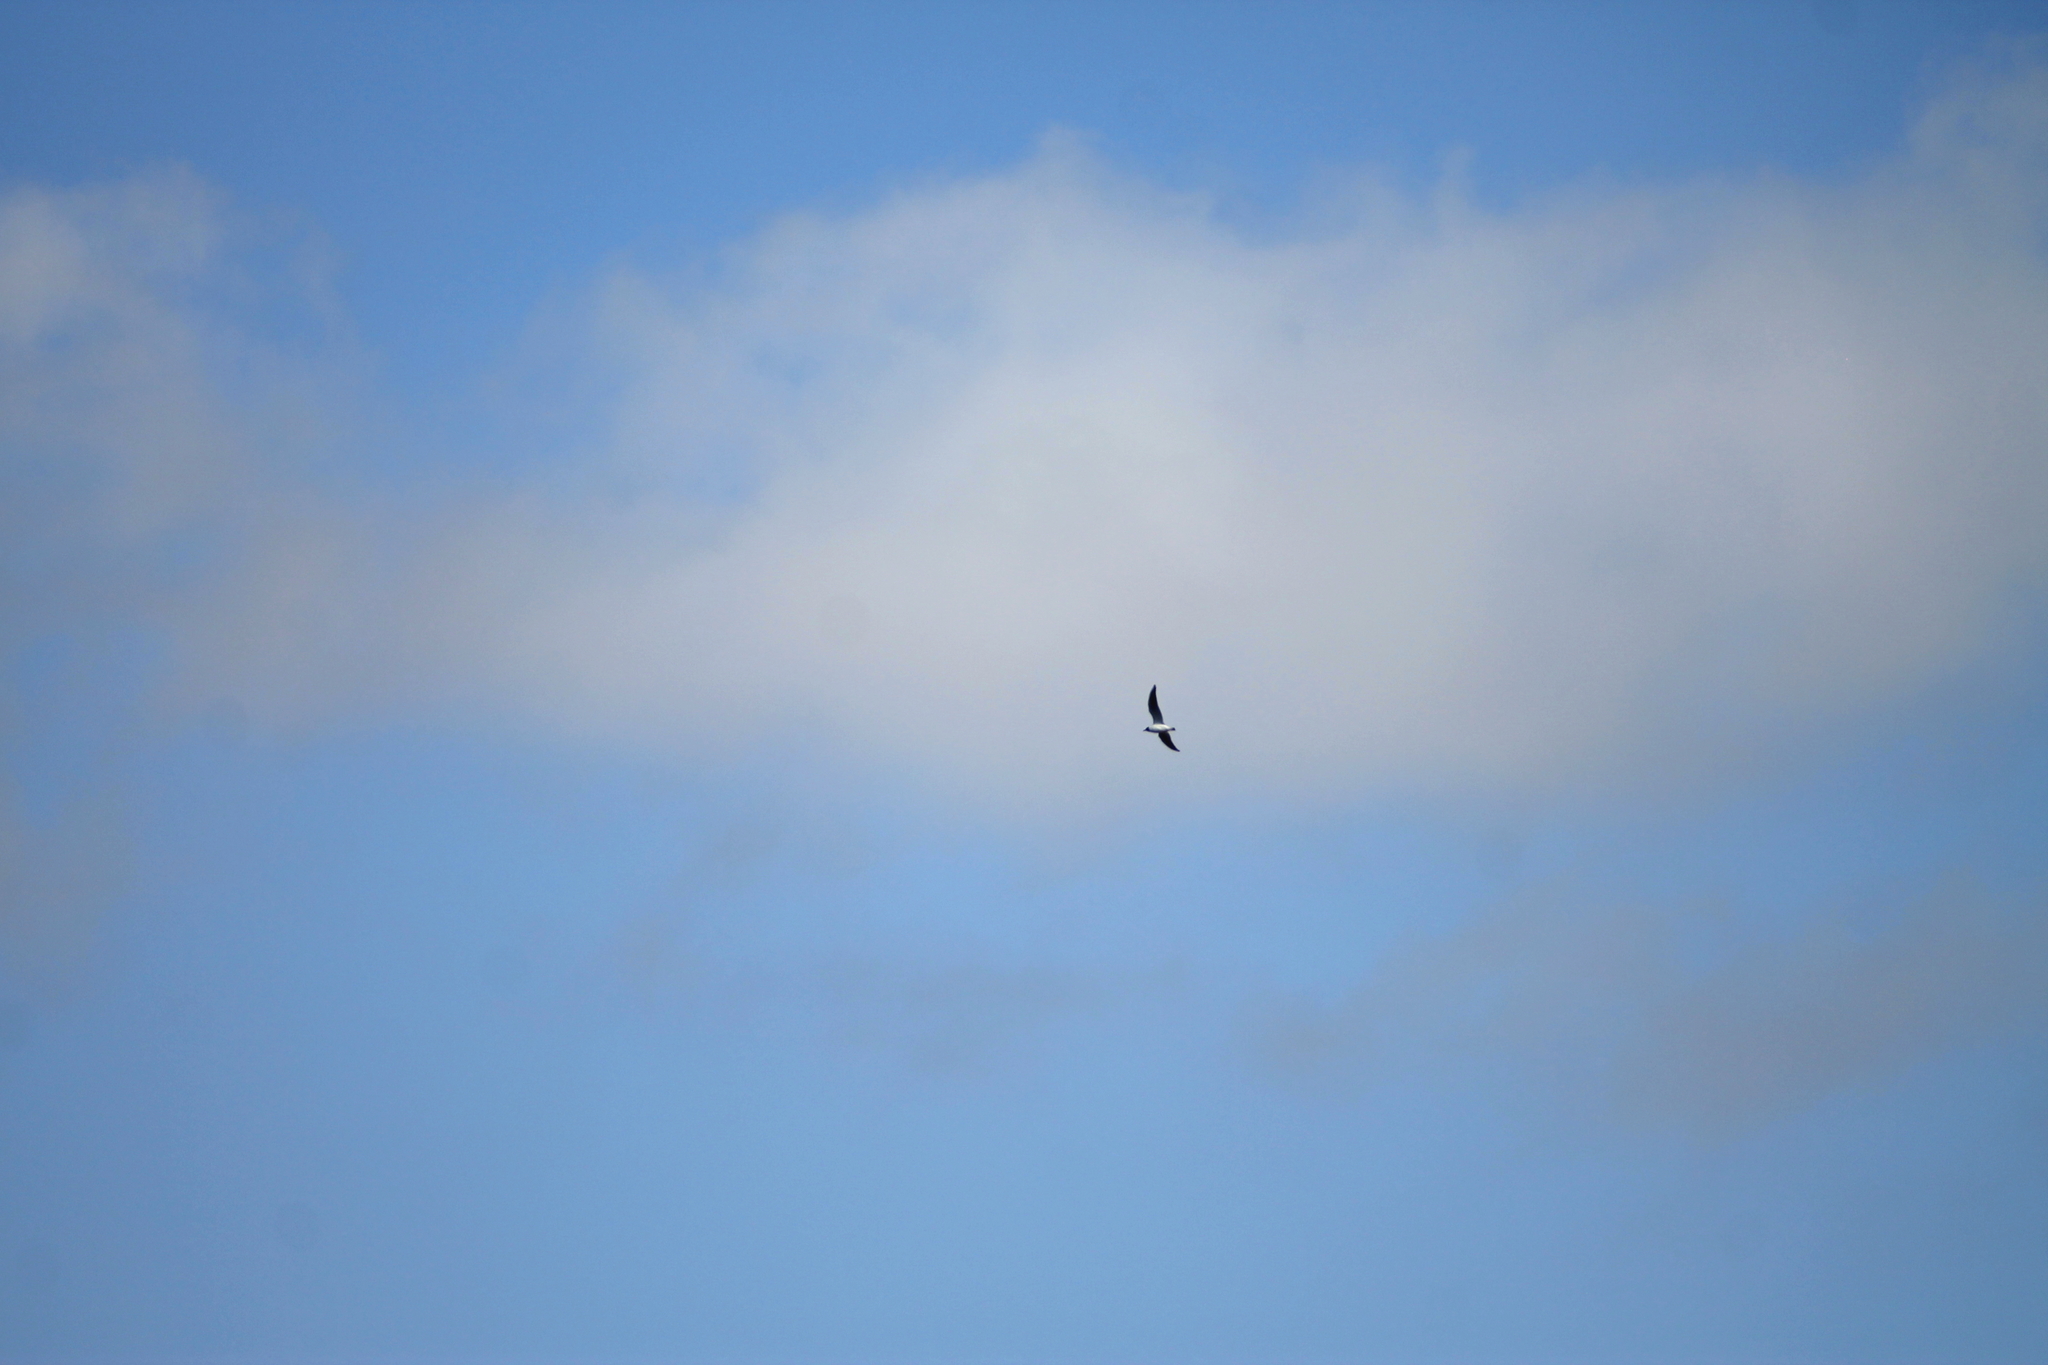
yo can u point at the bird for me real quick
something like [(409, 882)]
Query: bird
[(1159, 726)]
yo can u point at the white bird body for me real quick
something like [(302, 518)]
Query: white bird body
[(1159, 726)]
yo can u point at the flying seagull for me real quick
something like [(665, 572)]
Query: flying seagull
[(1159, 726)]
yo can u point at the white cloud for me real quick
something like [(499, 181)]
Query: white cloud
[(1426, 495), (1438, 495)]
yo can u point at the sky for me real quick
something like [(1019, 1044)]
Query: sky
[(580, 584)]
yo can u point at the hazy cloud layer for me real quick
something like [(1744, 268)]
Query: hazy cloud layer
[(1703, 1019), (1616, 482), (155, 449), (1674, 1018)]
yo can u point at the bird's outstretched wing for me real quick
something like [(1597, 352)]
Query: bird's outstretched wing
[(1152, 702), (1167, 740)]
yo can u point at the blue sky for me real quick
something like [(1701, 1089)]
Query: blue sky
[(581, 583)]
